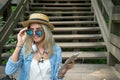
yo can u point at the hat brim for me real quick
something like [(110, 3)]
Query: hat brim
[(26, 23)]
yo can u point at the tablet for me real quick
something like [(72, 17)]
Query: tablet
[(70, 59)]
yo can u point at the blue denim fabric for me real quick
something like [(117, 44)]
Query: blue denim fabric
[(24, 64)]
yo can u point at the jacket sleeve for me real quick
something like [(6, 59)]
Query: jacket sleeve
[(58, 52), (12, 67)]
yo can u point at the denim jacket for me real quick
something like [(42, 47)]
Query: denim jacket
[(24, 63)]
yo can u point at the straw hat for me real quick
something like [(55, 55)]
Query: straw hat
[(38, 18)]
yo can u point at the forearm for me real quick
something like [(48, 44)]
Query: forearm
[(62, 73), (15, 55)]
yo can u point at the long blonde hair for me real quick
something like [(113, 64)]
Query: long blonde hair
[(48, 42)]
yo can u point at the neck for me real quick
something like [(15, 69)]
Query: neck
[(39, 45)]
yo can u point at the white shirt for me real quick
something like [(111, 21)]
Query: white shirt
[(39, 70)]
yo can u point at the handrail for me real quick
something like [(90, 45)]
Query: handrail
[(115, 32), (101, 22), (12, 22), (108, 5), (5, 8), (3, 4), (111, 40)]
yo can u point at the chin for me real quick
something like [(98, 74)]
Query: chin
[(37, 41)]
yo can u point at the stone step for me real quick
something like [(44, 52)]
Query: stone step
[(63, 1), (85, 55), (70, 17), (81, 44), (56, 23), (78, 36), (60, 4), (72, 22), (61, 8), (63, 12), (65, 55), (70, 45), (72, 36), (76, 29), (70, 29), (82, 71)]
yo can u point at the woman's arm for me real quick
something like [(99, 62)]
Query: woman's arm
[(21, 39), (12, 66), (16, 58)]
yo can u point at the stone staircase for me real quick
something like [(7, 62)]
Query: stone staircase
[(76, 30), (75, 27)]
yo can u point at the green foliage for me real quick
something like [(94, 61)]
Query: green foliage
[(96, 61), (4, 62), (11, 40), (11, 51), (107, 20), (92, 49), (13, 8), (2, 22)]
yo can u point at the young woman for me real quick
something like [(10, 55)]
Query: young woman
[(36, 54)]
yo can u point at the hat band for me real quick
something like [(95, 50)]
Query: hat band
[(38, 19)]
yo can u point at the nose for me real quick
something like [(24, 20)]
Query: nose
[(33, 32)]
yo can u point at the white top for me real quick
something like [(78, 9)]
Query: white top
[(40, 71)]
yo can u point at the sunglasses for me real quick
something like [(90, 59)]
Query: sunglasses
[(31, 32)]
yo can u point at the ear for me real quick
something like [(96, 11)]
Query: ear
[(34, 47)]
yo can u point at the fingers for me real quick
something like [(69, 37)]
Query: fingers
[(71, 64), (73, 61), (22, 35), (22, 31)]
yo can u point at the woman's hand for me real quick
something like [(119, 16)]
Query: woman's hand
[(69, 66), (21, 37)]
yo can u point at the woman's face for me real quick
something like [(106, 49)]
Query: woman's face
[(35, 27)]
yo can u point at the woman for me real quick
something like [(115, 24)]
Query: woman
[(36, 54)]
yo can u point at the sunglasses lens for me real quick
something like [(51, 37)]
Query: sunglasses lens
[(29, 32), (38, 33)]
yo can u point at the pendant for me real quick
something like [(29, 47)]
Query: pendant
[(42, 59)]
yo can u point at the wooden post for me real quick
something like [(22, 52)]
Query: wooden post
[(115, 36)]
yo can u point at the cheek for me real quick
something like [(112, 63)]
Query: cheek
[(37, 39)]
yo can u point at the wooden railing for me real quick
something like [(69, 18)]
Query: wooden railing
[(12, 22), (115, 34), (5, 8), (108, 17)]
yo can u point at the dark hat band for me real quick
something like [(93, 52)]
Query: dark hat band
[(39, 19)]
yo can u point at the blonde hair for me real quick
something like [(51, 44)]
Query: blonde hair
[(48, 42)]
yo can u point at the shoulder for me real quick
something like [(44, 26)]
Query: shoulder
[(57, 50), (56, 47), (57, 55)]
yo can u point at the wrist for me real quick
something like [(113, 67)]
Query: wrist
[(62, 73), (60, 77), (19, 44), (19, 47)]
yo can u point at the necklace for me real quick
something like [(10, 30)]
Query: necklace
[(41, 56)]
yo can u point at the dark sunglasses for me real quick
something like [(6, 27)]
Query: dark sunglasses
[(31, 32)]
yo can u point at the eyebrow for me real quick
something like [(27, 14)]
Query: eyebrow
[(37, 28)]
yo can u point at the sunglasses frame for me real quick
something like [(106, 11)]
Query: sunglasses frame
[(30, 32)]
